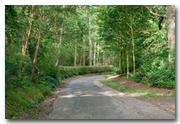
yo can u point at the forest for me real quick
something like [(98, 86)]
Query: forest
[(45, 44)]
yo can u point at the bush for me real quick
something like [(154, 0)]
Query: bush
[(65, 72), (158, 76)]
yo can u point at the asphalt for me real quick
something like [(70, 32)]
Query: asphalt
[(87, 98)]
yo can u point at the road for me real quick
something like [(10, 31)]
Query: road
[(87, 98)]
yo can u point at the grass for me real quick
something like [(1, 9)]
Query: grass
[(139, 92), (25, 100)]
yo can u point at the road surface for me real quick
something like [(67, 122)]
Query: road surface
[(87, 98)]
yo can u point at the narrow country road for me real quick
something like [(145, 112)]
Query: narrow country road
[(87, 98)]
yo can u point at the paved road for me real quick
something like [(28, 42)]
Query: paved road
[(87, 98)]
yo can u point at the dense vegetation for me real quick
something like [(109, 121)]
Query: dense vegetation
[(42, 42)]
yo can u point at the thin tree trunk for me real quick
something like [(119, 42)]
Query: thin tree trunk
[(134, 64), (80, 59), (75, 52), (90, 44), (94, 62), (124, 63), (127, 52), (84, 59), (104, 58), (170, 10), (26, 44), (120, 59), (38, 43), (120, 56), (61, 36), (97, 62)]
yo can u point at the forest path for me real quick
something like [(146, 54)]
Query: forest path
[(87, 98)]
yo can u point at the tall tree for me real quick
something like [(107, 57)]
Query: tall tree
[(75, 51), (90, 43), (61, 36), (84, 50), (27, 39), (38, 43), (94, 61), (170, 10)]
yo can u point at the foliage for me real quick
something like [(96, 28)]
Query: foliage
[(65, 72), (127, 40), (21, 100)]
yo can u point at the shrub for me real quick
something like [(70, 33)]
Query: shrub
[(65, 72)]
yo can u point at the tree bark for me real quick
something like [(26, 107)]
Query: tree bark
[(124, 62), (94, 62), (134, 64), (27, 39), (75, 52), (127, 55), (84, 59), (37, 46), (97, 62), (170, 23), (90, 44), (120, 59), (104, 63)]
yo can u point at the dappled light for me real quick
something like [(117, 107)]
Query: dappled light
[(89, 61)]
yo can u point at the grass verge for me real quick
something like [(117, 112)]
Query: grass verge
[(138, 92)]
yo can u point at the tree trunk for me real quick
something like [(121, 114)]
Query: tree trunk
[(60, 39), (38, 43), (124, 63), (97, 62), (84, 59), (94, 62), (75, 52), (80, 59), (104, 58), (127, 52), (132, 36), (170, 10), (26, 44), (90, 44), (120, 59)]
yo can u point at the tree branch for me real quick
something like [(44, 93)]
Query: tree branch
[(156, 14)]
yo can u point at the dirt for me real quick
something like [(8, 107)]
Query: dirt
[(165, 103)]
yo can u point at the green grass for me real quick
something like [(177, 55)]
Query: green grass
[(139, 92), (24, 99)]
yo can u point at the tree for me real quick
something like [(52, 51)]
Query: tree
[(27, 39), (90, 44), (170, 23), (94, 60), (170, 10), (38, 43), (61, 36)]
